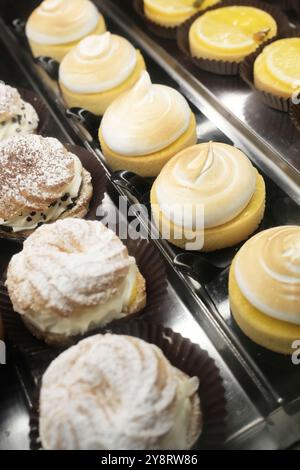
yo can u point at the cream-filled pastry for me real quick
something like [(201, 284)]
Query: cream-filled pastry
[(230, 33), (56, 26), (40, 181), (208, 197), (117, 392), (16, 116), (95, 72), (277, 68), (172, 13), (143, 128), (264, 288), (73, 276)]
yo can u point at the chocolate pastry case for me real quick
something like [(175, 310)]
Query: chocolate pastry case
[(262, 389)]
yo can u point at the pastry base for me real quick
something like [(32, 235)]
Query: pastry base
[(58, 51), (266, 331), (97, 103), (151, 164), (165, 20), (79, 210), (263, 81), (137, 303), (174, 20), (223, 236)]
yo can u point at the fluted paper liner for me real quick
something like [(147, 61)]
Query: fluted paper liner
[(161, 31), (190, 359), (40, 108), (222, 67), (286, 5), (295, 115), (151, 267), (99, 182)]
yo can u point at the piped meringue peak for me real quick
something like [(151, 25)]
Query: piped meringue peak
[(116, 392), (146, 119), (98, 63), (267, 270), (62, 21), (216, 176)]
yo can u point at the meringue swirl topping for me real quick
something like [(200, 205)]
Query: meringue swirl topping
[(98, 63), (267, 270), (146, 119), (62, 21), (115, 392), (216, 176)]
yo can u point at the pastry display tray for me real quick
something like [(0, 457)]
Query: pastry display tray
[(262, 389)]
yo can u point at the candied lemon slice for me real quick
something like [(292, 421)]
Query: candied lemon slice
[(233, 26), (216, 33), (230, 33), (283, 61)]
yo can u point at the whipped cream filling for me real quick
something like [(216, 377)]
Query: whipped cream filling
[(267, 271), (62, 21), (25, 121), (146, 119), (98, 63), (30, 219), (205, 186), (178, 437), (90, 317)]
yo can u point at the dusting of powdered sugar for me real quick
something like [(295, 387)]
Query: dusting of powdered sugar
[(65, 266), (10, 101), (33, 173), (112, 392)]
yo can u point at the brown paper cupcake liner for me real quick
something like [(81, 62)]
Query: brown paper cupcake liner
[(190, 359), (40, 107), (152, 269), (161, 31), (295, 115), (99, 182), (286, 5), (222, 67)]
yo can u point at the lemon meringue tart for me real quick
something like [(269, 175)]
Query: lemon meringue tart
[(171, 13), (277, 68), (16, 115), (143, 128), (40, 181), (208, 197), (56, 26), (230, 33), (264, 288), (95, 72), (71, 277), (124, 395)]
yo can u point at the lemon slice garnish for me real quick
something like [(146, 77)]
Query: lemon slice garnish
[(218, 34), (283, 62)]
